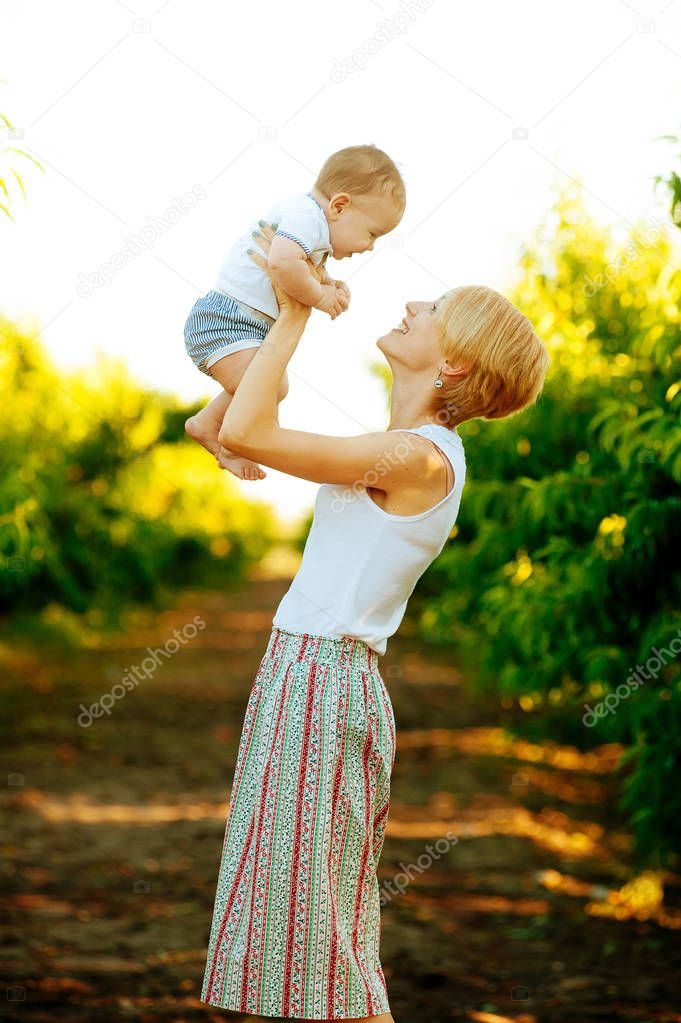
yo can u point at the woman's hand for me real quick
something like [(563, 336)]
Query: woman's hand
[(287, 303)]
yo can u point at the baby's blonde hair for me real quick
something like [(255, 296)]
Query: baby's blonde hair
[(362, 170), (506, 361)]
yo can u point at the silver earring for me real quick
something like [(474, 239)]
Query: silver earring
[(438, 382)]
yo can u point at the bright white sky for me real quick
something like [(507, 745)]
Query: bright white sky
[(131, 105)]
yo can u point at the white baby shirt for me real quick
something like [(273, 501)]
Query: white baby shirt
[(301, 219)]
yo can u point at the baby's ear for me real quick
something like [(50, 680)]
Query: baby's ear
[(338, 203)]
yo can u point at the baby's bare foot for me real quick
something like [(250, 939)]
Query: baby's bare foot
[(242, 467), (204, 431)]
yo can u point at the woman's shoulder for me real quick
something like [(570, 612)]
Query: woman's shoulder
[(437, 467), (450, 452), (440, 435)]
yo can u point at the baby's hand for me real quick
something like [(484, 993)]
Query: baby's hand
[(333, 301), (344, 289)]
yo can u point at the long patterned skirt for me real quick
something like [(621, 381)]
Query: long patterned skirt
[(296, 924)]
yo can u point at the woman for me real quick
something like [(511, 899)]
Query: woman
[(296, 923)]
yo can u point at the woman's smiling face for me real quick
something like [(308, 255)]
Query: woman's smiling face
[(415, 342)]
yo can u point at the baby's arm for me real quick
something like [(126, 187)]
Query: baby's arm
[(341, 285), (288, 265)]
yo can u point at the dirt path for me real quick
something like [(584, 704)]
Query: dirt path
[(115, 833)]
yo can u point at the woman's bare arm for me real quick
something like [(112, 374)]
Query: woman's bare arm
[(385, 460)]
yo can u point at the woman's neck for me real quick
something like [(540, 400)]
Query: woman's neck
[(405, 415), (408, 410)]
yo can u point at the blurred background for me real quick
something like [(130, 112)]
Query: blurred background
[(535, 678)]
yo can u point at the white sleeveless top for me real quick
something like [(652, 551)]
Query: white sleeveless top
[(360, 564)]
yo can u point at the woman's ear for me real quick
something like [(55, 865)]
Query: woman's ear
[(337, 203), (456, 370)]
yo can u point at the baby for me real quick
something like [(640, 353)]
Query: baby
[(358, 196)]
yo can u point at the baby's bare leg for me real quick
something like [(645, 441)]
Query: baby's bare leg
[(239, 464), (205, 426)]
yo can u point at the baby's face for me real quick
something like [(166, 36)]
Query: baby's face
[(355, 224)]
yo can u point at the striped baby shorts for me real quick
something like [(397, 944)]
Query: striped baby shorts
[(218, 325), (296, 921)]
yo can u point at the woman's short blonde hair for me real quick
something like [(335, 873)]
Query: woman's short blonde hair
[(506, 361), (362, 170)]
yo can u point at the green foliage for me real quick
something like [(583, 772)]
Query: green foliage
[(102, 500), (9, 175), (563, 573), (672, 184)]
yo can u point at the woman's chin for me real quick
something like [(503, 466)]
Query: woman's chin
[(386, 343)]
